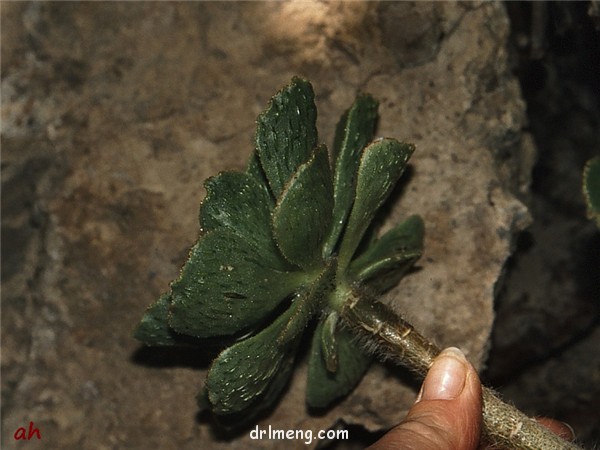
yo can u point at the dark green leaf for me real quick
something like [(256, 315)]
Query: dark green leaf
[(233, 420), (154, 327), (286, 133), (255, 170), (329, 343), (243, 372), (591, 188), (227, 286), (252, 368), (302, 216), (313, 296), (237, 202), (381, 164), (280, 380), (352, 136), (338, 138), (395, 251), (322, 386), (273, 391)]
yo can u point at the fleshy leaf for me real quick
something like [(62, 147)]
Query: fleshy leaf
[(273, 391), (591, 188), (322, 386), (381, 165), (286, 133), (227, 286), (243, 372), (302, 217), (154, 328), (390, 255), (354, 132), (262, 402), (251, 369), (329, 343), (255, 170), (237, 202)]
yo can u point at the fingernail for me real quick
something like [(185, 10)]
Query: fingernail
[(446, 378), (571, 430)]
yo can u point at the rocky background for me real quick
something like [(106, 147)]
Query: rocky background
[(113, 115), (546, 338)]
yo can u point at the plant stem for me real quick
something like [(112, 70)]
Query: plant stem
[(503, 425)]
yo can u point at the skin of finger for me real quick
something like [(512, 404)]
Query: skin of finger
[(440, 424)]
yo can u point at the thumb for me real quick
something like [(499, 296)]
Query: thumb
[(447, 414)]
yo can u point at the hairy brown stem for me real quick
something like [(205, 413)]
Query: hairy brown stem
[(503, 425)]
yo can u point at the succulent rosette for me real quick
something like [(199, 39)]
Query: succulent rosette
[(281, 245)]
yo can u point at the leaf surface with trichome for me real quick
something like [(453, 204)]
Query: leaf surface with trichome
[(243, 372), (286, 133), (393, 253), (239, 203), (381, 165), (227, 285), (355, 131), (325, 385), (302, 216)]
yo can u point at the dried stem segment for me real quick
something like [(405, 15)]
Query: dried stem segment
[(504, 425)]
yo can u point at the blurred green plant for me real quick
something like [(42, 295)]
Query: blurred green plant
[(290, 241), (591, 188)]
